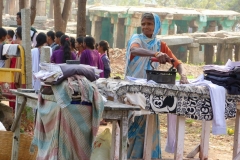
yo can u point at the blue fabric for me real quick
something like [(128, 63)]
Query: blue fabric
[(137, 68)]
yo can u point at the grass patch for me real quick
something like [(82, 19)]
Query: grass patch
[(188, 77)]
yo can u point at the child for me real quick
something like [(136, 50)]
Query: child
[(103, 47), (90, 56), (64, 52), (10, 34), (79, 47)]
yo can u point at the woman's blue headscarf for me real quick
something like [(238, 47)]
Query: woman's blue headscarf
[(140, 64)]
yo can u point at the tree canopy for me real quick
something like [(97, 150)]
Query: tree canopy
[(197, 4)]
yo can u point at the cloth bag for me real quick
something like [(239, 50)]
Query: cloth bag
[(102, 146)]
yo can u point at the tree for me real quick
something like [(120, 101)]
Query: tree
[(33, 10), (1, 12), (81, 18), (50, 12), (23, 4), (61, 18)]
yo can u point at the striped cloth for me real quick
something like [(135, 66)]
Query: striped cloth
[(68, 133)]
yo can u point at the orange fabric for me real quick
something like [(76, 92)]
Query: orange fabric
[(164, 49)]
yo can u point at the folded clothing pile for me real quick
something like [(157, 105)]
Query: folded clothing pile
[(55, 73), (227, 76)]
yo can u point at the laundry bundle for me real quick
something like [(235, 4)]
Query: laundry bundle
[(227, 75), (55, 73)]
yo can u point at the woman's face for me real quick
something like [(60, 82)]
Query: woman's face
[(147, 27)]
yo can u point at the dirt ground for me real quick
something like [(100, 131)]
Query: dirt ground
[(220, 146)]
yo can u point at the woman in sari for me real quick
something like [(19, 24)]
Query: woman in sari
[(141, 47)]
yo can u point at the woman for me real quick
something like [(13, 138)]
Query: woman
[(35, 52), (64, 52), (79, 47), (140, 48), (103, 49), (90, 56)]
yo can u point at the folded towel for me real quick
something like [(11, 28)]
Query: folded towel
[(13, 51), (5, 49)]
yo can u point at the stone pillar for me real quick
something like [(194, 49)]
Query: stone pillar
[(237, 52), (96, 27), (26, 43), (41, 8), (193, 53), (130, 30), (208, 54), (180, 51), (45, 54), (164, 27), (228, 52), (88, 26), (131, 24), (118, 32), (171, 30), (220, 53)]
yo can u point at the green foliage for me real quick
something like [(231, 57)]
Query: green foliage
[(30, 115), (196, 4)]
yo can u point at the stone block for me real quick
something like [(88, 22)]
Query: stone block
[(176, 40), (208, 40), (193, 45), (40, 18)]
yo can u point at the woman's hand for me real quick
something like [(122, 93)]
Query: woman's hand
[(163, 58), (183, 79)]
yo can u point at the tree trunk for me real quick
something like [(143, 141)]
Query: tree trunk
[(33, 10), (6, 6), (22, 4), (12, 7), (1, 12), (81, 18), (60, 19), (50, 14)]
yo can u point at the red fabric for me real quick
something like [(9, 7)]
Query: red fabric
[(164, 49)]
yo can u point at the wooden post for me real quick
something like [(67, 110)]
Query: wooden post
[(203, 154), (18, 116), (178, 155), (147, 151), (115, 146), (45, 54), (236, 142), (123, 136), (208, 54), (193, 53), (26, 43), (16, 134)]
